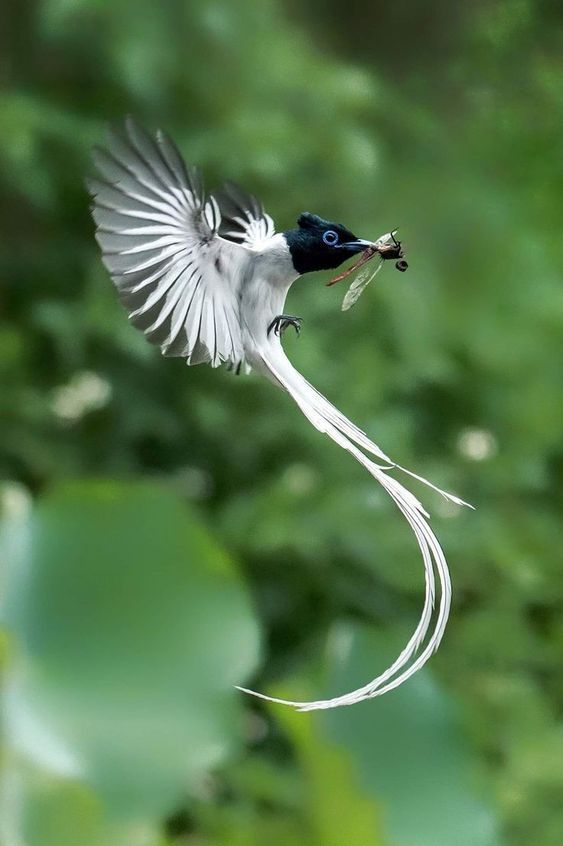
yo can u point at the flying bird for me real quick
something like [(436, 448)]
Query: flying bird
[(205, 277)]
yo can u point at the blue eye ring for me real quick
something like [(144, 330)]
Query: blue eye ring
[(330, 238)]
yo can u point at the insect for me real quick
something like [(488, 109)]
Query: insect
[(387, 247)]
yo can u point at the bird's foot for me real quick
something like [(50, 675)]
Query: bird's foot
[(280, 323)]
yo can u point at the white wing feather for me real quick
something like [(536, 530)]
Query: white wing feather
[(159, 237), (243, 219)]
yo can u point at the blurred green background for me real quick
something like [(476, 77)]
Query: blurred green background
[(167, 533)]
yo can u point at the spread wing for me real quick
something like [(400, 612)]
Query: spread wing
[(159, 235), (243, 219)]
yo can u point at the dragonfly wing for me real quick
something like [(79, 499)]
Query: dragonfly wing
[(359, 285)]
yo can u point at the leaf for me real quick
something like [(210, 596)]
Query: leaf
[(341, 811), (131, 629), (409, 751)]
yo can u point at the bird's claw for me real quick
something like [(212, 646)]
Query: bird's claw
[(280, 323)]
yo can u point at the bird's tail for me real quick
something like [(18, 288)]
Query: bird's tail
[(326, 418)]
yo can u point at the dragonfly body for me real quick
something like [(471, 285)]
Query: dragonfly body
[(386, 248)]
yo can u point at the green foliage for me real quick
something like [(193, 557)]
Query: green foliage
[(340, 810), (130, 630), (445, 118), (417, 736)]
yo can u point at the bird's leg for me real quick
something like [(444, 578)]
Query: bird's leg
[(280, 323)]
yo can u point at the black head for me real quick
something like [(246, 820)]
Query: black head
[(318, 244)]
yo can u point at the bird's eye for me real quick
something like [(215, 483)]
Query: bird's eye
[(330, 238)]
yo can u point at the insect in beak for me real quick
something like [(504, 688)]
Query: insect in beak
[(387, 247)]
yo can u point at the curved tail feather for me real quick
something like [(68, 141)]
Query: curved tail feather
[(326, 418)]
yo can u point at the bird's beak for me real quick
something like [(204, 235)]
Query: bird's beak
[(357, 246)]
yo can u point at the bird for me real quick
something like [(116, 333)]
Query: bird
[(205, 277)]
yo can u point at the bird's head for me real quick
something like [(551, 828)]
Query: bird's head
[(318, 244)]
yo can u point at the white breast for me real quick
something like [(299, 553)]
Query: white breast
[(270, 276)]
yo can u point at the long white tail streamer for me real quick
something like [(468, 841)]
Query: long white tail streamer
[(326, 418)]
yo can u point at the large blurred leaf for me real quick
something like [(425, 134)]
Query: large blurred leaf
[(341, 809), (42, 810), (130, 628), (408, 750)]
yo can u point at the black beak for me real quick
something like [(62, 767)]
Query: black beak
[(357, 246)]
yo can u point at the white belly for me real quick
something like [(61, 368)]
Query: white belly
[(262, 297)]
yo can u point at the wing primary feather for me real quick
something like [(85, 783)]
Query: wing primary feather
[(179, 319), (124, 197), (160, 290), (149, 153), (111, 198), (122, 176), (131, 284), (158, 232), (173, 158)]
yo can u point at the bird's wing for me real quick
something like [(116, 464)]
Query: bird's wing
[(159, 235), (243, 219)]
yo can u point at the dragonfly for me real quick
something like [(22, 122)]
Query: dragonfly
[(386, 247)]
